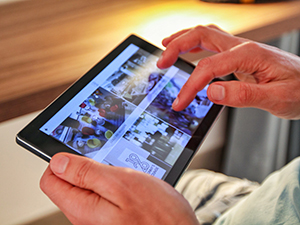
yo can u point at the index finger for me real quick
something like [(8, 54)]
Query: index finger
[(204, 37), (237, 59)]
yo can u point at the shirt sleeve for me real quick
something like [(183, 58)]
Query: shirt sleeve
[(276, 201)]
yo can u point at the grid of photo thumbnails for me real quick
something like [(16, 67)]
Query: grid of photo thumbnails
[(155, 137)]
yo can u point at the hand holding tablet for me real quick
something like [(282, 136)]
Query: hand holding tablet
[(120, 114)]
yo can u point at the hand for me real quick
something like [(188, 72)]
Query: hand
[(269, 78), (88, 192)]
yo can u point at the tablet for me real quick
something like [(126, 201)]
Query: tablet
[(119, 113)]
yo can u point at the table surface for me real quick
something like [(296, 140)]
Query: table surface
[(46, 45)]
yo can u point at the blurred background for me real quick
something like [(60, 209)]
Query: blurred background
[(46, 45)]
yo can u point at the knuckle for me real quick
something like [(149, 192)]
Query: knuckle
[(202, 31), (82, 173), (205, 62), (246, 95), (251, 46), (207, 66), (212, 25), (200, 28)]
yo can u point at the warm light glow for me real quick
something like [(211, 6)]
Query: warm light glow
[(164, 24), (165, 19)]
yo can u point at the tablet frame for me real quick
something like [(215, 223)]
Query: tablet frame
[(44, 146)]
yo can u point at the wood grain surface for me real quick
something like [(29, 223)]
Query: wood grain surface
[(46, 45)]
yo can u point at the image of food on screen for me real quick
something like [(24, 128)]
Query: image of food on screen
[(94, 122)]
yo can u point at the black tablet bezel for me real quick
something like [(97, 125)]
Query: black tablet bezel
[(45, 146)]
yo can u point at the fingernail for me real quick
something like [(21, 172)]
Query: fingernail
[(175, 103), (159, 60), (59, 163), (217, 92)]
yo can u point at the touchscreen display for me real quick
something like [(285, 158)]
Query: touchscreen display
[(123, 116)]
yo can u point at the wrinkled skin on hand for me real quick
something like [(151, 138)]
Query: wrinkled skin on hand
[(88, 192), (268, 78)]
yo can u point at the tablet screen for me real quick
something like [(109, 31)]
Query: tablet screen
[(123, 116)]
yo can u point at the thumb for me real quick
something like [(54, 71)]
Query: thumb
[(87, 174), (237, 94)]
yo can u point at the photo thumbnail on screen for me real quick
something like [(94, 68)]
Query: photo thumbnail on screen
[(94, 122), (135, 78), (157, 137), (186, 120)]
